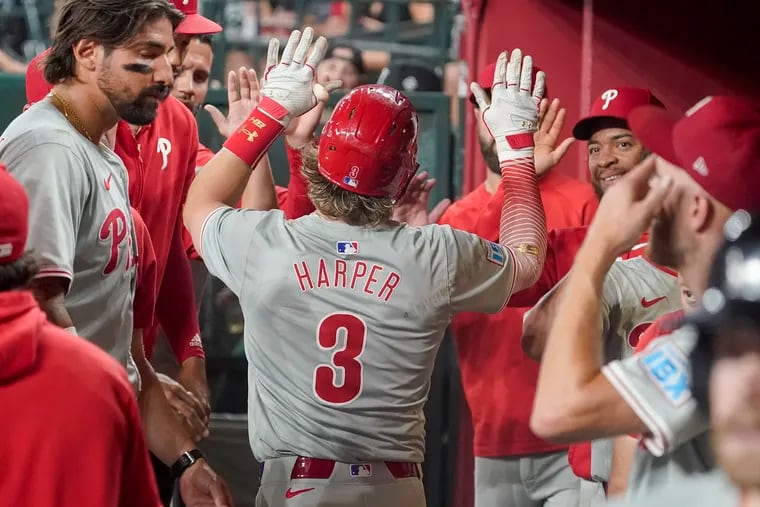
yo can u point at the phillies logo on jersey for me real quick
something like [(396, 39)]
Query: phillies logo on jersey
[(115, 230), (635, 335), (608, 97), (164, 147)]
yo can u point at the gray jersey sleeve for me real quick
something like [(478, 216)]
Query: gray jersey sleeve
[(56, 178), (655, 384), (610, 304), (226, 237), (481, 273)]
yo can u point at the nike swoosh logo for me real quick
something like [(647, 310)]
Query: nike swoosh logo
[(107, 182), (291, 494), (646, 303)]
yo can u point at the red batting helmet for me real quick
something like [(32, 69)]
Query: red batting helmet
[(369, 145)]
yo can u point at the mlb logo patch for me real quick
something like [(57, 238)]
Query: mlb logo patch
[(361, 470), (347, 247), (351, 182), (495, 253)]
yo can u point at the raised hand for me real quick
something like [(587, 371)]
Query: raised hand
[(628, 207), (301, 130), (512, 114), (551, 119), (243, 94), (290, 83), (412, 207)]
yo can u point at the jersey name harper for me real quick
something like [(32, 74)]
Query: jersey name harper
[(373, 279)]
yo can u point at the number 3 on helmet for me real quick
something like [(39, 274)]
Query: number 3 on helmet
[(369, 145)]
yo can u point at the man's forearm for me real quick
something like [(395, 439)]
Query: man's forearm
[(566, 395), (522, 226), (50, 293), (538, 322), (259, 193), (164, 433), (623, 450)]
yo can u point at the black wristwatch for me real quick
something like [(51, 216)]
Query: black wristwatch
[(185, 461)]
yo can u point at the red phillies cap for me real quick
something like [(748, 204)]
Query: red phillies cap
[(36, 86), (717, 142), (14, 217), (485, 80), (613, 104), (194, 23)]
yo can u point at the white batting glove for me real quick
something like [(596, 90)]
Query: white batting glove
[(290, 83), (512, 114)]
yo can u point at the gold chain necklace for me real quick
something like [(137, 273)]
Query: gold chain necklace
[(71, 116)]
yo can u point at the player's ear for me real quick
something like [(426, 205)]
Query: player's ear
[(701, 212)]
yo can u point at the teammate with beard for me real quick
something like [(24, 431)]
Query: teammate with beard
[(108, 61), (725, 367), (705, 168), (488, 346)]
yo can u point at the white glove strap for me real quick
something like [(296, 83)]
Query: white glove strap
[(71, 330)]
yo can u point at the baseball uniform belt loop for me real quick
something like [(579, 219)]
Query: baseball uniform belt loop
[(312, 468), (403, 470), (315, 468)]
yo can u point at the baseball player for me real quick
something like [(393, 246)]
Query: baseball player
[(80, 215), (513, 467), (702, 163), (725, 371), (35, 356), (341, 345)]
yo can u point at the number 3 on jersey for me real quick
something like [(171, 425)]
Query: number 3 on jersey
[(341, 381)]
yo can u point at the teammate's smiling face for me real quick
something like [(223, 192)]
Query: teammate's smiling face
[(138, 76), (612, 152), (191, 84), (735, 404)]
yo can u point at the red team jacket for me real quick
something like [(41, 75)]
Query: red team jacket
[(161, 163), (499, 381), (146, 289), (73, 437)]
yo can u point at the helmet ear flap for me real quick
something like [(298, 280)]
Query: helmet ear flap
[(404, 183)]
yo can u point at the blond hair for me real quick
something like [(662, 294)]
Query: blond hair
[(335, 202)]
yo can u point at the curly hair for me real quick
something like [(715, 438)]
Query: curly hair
[(17, 274), (112, 23), (335, 202)]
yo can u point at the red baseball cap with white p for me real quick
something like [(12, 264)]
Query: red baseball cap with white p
[(14, 217), (717, 142), (613, 104), (194, 23)]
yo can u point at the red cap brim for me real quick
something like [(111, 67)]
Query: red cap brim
[(195, 24), (653, 126)]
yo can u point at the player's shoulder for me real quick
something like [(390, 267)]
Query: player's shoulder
[(41, 124)]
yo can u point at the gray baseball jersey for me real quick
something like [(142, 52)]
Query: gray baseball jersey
[(80, 223), (700, 490), (342, 325), (634, 294), (655, 384)]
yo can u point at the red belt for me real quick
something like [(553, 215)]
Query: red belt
[(314, 468)]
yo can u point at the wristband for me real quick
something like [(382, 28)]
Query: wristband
[(254, 137), (71, 330), (185, 461)]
